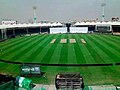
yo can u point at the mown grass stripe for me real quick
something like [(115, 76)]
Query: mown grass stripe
[(9, 41), (22, 52), (92, 75), (87, 55), (42, 45), (71, 51), (13, 43), (17, 47), (112, 38), (56, 55), (41, 51), (49, 53), (29, 48), (28, 60), (63, 54), (71, 54), (78, 51), (112, 41), (103, 57), (92, 60), (116, 37), (29, 53), (111, 49), (91, 49), (102, 47), (112, 45), (64, 51), (13, 40), (101, 70)]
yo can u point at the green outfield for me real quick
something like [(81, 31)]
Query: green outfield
[(98, 49)]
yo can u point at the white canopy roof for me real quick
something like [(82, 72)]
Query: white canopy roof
[(96, 23), (30, 25), (56, 24)]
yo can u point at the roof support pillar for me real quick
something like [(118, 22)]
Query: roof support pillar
[(13, 31)]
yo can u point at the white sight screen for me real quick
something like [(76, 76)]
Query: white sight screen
[(58, 30), (78, 29)]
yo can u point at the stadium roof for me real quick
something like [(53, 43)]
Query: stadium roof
[(96, 23), (30, 25), (24, 25)]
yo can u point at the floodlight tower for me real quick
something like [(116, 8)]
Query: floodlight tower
[(103, 11), (34, 14)]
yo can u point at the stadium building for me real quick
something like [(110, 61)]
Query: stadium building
[(10, 30), (84, 47)]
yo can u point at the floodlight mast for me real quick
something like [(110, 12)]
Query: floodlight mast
[(34, 14), (103, 11)]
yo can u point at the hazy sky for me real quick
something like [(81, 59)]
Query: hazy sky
[(58, 10)]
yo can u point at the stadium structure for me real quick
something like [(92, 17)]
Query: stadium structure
[(8, 30), (42, 51), (20, 29)]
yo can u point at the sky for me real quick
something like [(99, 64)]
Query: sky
[(58, 10)]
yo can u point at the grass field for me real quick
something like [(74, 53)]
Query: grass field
[(98, 49)]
